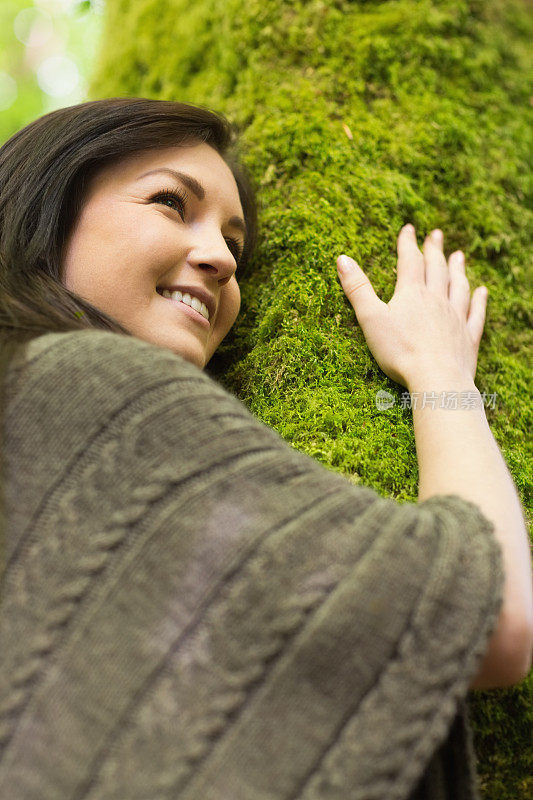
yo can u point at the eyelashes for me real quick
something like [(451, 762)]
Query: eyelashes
[(181, 197)]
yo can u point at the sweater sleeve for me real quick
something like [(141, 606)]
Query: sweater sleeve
[(194, 609)]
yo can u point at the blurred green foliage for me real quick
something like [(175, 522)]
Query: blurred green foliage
[(68, 28)]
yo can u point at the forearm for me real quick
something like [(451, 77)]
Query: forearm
[(457, 454)]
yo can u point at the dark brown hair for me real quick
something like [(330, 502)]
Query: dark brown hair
[(45, 169)]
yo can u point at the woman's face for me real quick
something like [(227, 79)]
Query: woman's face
[(126, 244)]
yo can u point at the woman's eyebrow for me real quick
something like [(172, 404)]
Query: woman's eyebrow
[(195, 187)]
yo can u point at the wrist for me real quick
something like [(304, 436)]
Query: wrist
[(441, 381)]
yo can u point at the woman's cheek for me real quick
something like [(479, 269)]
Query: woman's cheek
[(230, 304)]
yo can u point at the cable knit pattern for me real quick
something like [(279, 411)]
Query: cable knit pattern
[(194, 609)]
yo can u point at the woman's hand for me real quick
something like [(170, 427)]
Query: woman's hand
[(430, 325)]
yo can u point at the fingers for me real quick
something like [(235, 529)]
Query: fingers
[(459, 295), (429, 268), (437, 273), (459, 287), (410, 267), (358, 288), (476, 316)]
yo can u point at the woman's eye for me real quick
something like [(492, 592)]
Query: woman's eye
[(175, 197), (179, 198), (237, 250)]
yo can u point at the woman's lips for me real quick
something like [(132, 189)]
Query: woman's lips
[(188, 311)]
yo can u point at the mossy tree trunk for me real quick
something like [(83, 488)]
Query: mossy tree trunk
[(358, 117)]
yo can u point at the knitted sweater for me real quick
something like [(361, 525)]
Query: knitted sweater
[(194, 609)]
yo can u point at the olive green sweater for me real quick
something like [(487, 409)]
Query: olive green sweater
[(194, 609)]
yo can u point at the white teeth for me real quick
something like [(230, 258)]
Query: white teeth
[(186, 298)]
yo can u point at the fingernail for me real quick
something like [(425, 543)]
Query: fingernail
[(409, 228), (437, 236), (344, 265)]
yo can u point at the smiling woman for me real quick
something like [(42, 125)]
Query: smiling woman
[(183, 591), (173, 242), (86, 239)]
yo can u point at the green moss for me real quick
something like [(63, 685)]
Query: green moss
[(358, 118)]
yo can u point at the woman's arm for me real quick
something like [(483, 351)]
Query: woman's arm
[(427, 339), (457, 454)]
